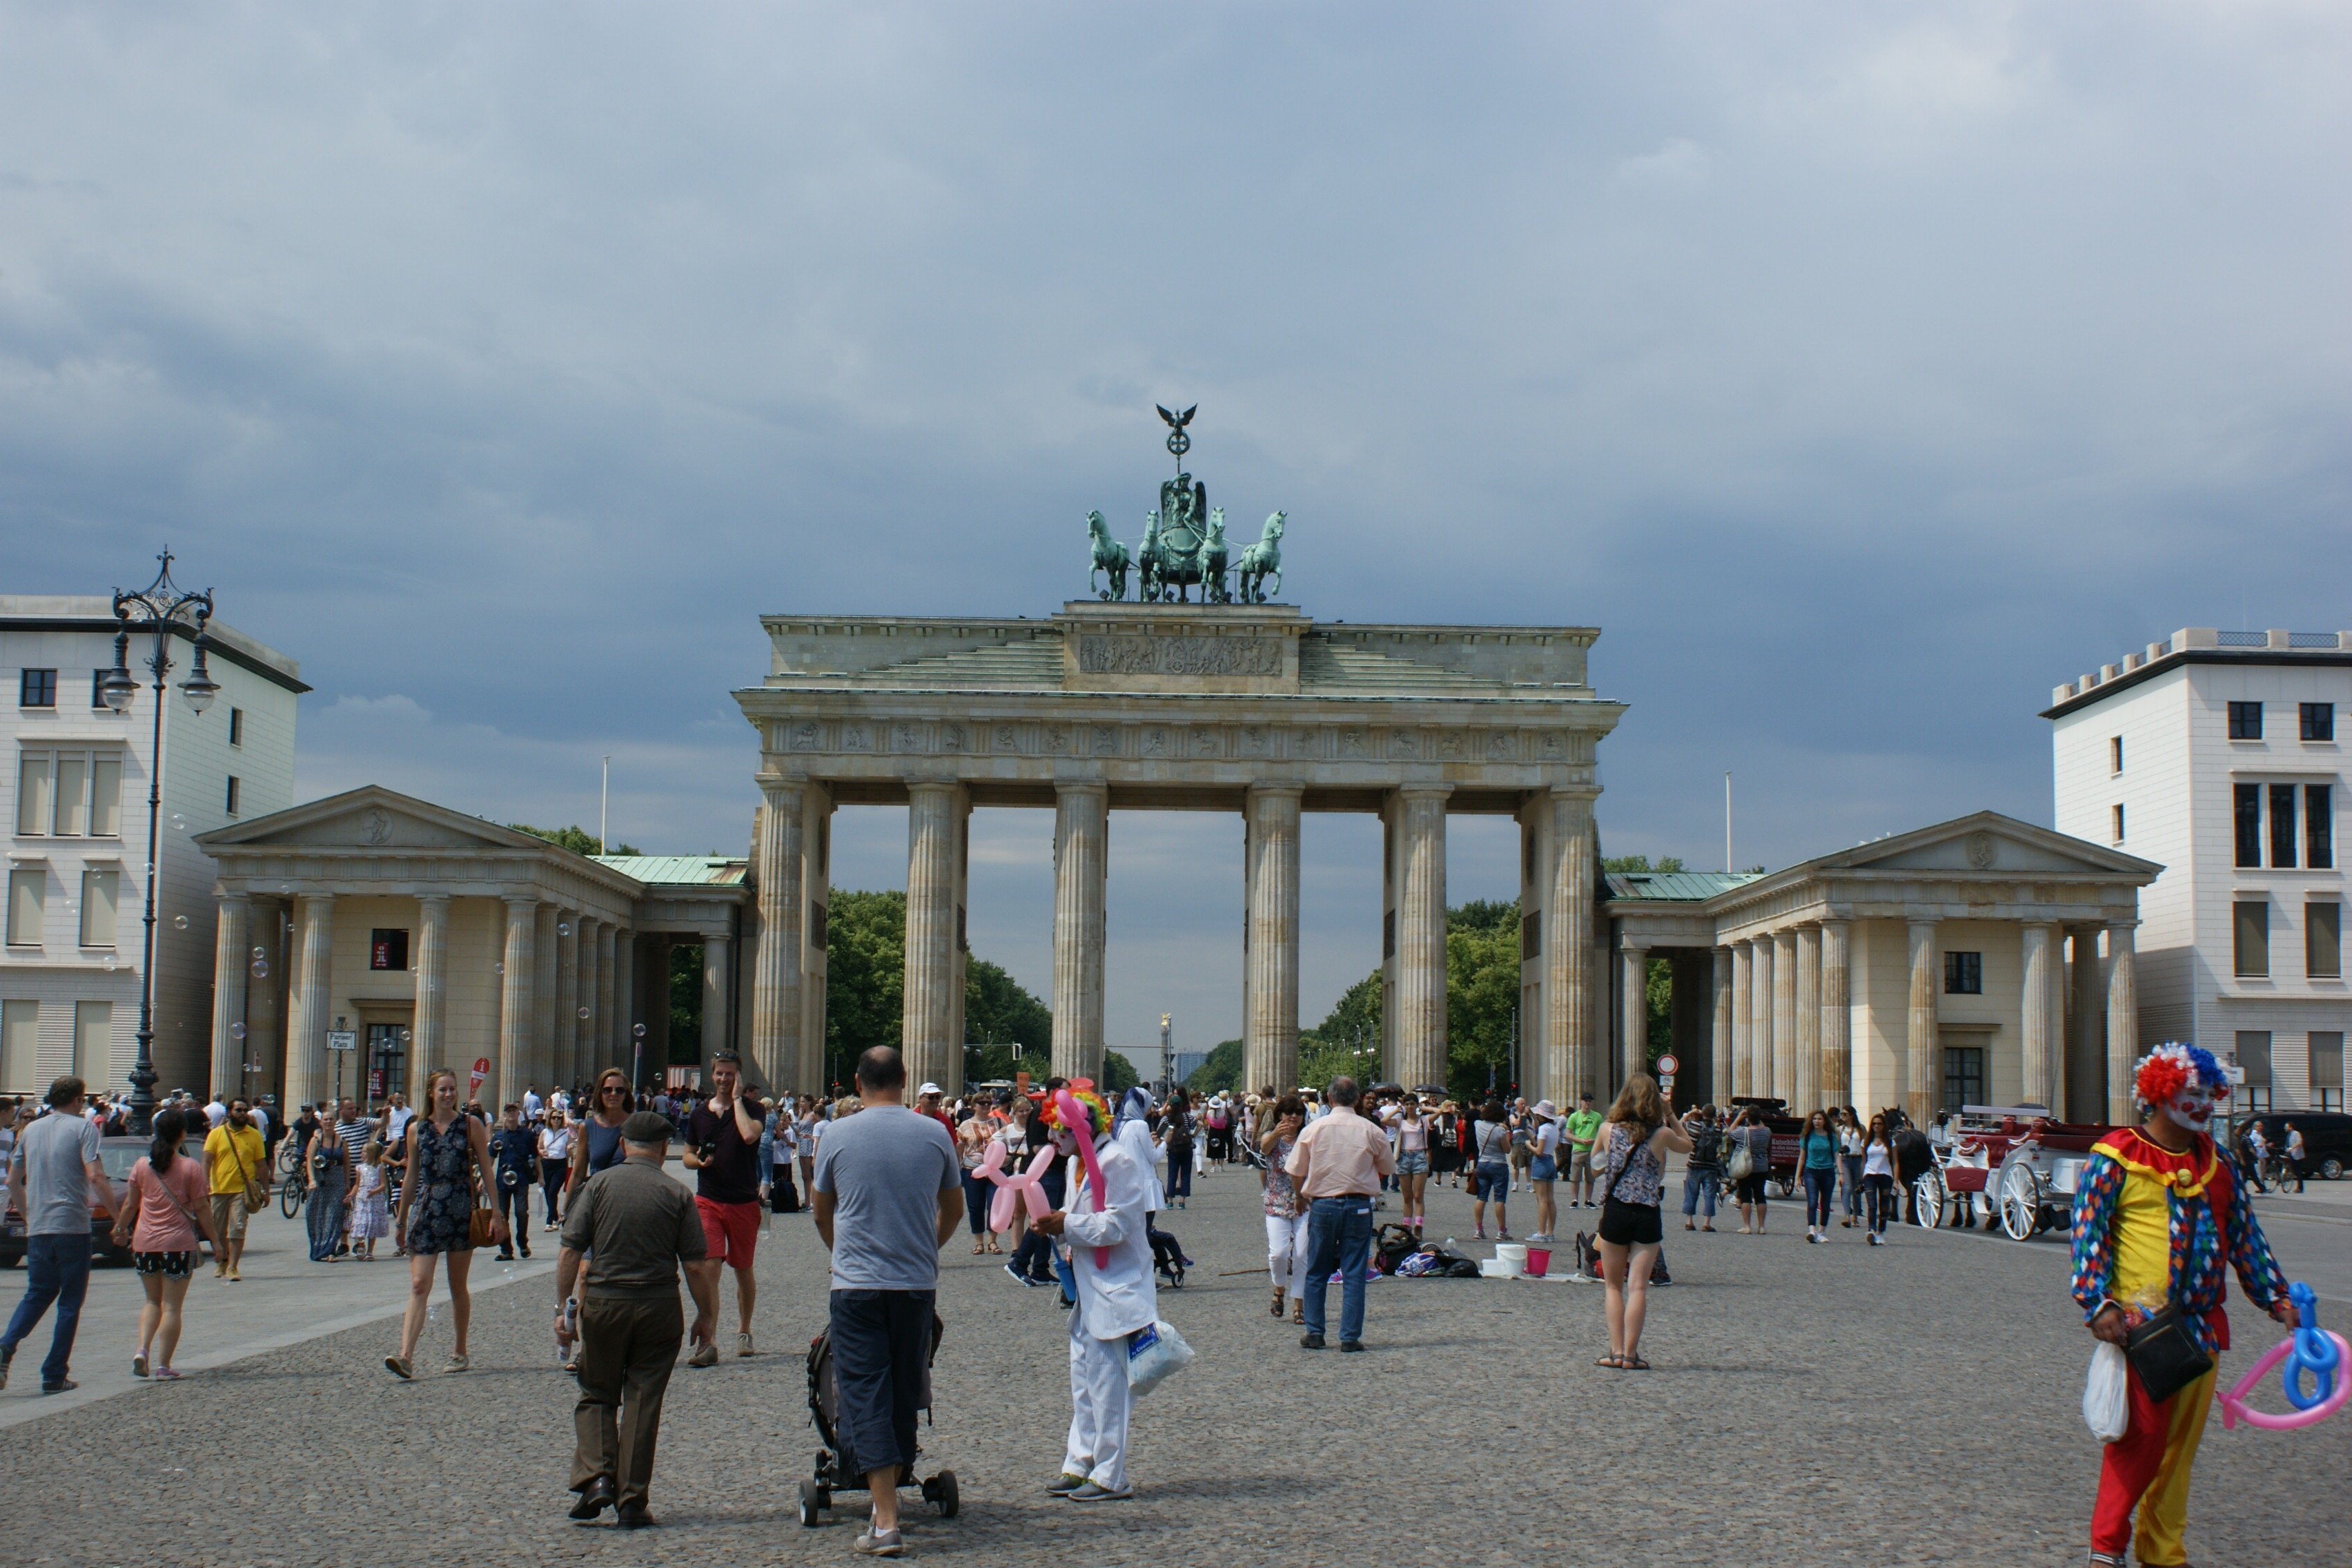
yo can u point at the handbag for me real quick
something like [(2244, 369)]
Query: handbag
[(479, 1221), (256, 1192), (1743, 1161), (2164, 1354)]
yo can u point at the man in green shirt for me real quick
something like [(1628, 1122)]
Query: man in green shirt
[(1583, 1126)]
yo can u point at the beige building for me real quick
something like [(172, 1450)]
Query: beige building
[(1923, 971)]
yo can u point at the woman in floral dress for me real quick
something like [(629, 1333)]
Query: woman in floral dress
[(445, 1149)]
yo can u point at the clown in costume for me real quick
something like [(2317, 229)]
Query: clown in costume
[(2158, 1213), (1111, 1254)]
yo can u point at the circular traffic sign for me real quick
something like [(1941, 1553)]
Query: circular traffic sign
[(1668, 1066)]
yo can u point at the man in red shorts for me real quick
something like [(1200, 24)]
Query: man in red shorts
[(722, 1150)]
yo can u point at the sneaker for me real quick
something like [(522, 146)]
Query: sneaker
[(1018, 1277), (139, 1365), (705, 1354), (457, 1363), (1065, 1484), (743, 1344), (166, 1375), (8, 1354), (234, 1277), (1310, 1342), (881, 1543), (1353, 1347), (1811, 1238), (62, 1385), (400, 1367), (1095, 1493)]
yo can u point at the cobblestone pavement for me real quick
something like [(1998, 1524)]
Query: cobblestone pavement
[(1810, 1405)]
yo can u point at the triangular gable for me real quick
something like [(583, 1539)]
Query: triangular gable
[(1988, 842), (370, 817)]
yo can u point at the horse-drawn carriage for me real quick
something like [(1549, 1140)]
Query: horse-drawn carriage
[(1787, 1134), (2010, 1164)]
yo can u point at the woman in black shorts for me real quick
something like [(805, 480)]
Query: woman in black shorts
[(1630, 1154)]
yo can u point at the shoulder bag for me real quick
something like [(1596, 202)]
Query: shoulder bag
[(2164, 1354), (1743, 1159), (257, 1193)]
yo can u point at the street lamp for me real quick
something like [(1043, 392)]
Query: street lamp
[(159, 609)]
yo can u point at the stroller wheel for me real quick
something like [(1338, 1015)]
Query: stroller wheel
[(812, 1503), (941, 1492)]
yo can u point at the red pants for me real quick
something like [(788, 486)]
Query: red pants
[(2148, 1469)]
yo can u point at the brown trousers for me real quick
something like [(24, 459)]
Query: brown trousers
[(626, 1352)]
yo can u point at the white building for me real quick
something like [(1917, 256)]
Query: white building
[(2216, 753), (74, 796)]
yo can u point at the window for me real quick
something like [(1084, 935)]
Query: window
[(2282, 826), (1531, 935), (2254, 1056), (2250, 943), (2319, 827), (36, 688), (236, 726), (2323, 941), (26, 891), (2318, 720), (1964, 976), (2119, 822), (97, 688), (2247, 802), (20, 1044), (94, 1044), (70, 793), (2245, 720), (2327, 1069), (816, 929), (2116, 757), (387, 949), (1388, 934), (387, 1059), (98, 901), (235, 789), (1963, 1076)]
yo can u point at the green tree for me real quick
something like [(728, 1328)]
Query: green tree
[(1641, 863), (865, 974), (1347, 1041), (577, 839), (685, 1002), (1482, 998), (1223, 1070)]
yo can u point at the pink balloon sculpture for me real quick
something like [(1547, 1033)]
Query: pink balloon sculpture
[(1018, 1188), (2235, 1409), (1074, 1116)]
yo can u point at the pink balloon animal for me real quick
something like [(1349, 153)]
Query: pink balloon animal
[(1018, 1188), (1074, 1116)]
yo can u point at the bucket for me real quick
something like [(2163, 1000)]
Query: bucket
[(1539, 1262), (1513, 1259)]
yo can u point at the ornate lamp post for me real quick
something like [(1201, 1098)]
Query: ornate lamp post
[(159, 609)]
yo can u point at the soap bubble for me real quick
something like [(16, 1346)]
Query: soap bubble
[(497, 969), (259, 953), (237, 1031), (260, 969), (107, 962), (179, 822), (584, 1011), (285, 889), (563, 929), (638, 1030), (179, 922)]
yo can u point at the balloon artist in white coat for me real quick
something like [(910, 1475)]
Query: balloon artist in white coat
[(1111, 1255)]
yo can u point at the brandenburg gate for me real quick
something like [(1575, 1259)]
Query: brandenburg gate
[(1228, 704)]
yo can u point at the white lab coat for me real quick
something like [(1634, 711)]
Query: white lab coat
[(1119, 1298)]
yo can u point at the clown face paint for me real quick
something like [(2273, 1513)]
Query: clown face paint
[(2189, 1108)]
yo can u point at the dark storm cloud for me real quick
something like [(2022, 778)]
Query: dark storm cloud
[(1863, 373)]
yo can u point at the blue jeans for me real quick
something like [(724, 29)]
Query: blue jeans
[(1698, 1187), (1179, 1176), (979, 1193), (1820, 1186), (1339, 1235), (56, 1268)]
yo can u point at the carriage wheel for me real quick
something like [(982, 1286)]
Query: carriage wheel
[(945, 1495), (2021, 1201), (1928, 1200)]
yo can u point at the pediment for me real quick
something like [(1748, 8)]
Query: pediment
[(1990, 844), (372, 818)]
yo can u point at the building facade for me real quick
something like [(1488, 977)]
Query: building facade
[(75, 796), (2216, 753)]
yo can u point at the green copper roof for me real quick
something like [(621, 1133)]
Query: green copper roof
[(1676, 887), (696, 871)]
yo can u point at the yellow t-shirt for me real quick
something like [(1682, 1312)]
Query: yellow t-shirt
[(222, 1156), (2143, 1240)]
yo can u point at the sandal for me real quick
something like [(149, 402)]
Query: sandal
[(1615, 1363), (977, 1249), (1634, 1363)]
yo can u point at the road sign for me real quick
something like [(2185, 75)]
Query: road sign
[(1668, 1066), (342, 1040)]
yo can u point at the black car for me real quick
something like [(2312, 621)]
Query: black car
[(115, 1157), (2326, 1139)]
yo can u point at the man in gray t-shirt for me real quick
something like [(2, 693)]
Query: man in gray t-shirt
[(54, 1178), (887, 1192)]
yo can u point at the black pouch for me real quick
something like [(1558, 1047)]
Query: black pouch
[(2164, 1354)]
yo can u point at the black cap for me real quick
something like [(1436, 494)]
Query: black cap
[(646, 1127)]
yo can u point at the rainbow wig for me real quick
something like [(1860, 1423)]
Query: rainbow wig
[(2164, 1070), (1098, 1112)]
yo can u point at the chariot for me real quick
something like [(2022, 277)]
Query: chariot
[(2010, 1164)]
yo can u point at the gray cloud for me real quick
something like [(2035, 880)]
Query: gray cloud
[(1862, 373)]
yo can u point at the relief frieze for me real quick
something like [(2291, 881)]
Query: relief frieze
[(1179, 655)]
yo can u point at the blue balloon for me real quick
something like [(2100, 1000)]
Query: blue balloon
[(2314, 1353)]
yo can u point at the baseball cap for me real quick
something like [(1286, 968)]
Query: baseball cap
[(927, 1088)]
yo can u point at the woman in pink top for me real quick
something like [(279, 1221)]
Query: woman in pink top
[(168, 1202)]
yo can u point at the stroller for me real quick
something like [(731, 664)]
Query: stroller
[(837, 1470), (1167, 1257)]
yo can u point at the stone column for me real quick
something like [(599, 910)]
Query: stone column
[(624, 1002), (1837, 1014), (928, 1006), (1784, 1016), (428, 1045), (2040, 1021), (1270, 938), (2123, 1019), (1725, 1013), (1081, 872), (515, 1013), (581, 1031), (1917, 1085), (1739, 1080), (1760, 1031), (1632, 1010), (657, 1009), (816, 897), (312, 1009), (2087, 1037), (1419, 1032), (564, 1040), (602, 1032), (1569, 1013), (229, 967), (546, 1060), (776, 962), (1809, 1020), (718, 977)]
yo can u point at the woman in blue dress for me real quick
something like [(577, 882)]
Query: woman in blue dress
[(445, 1150)]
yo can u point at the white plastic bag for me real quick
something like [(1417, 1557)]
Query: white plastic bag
[(1154, 1355), (2105, 1408)]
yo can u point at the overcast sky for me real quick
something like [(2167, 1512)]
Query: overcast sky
[(1861, 371)]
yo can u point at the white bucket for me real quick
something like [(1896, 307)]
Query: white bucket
[(1492, 1269), (1512, 1260)]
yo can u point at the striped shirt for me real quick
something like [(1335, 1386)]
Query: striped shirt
[(354, 1136)]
